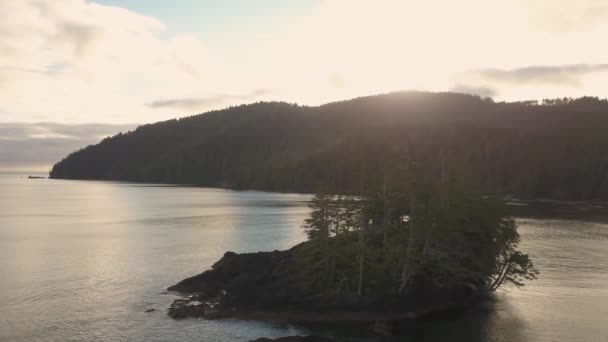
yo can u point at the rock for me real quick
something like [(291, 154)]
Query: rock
[(150, 310), (263, 280), (270, 286)]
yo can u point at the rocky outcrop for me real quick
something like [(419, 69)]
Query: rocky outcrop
[(252, 281), (269, 285)]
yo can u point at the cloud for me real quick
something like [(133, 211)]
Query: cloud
[(73, 61), (36, 147), (204, 102), (482, 91), (76, 61), (567, 16), (81, 36), (570, 75), (380, 46)]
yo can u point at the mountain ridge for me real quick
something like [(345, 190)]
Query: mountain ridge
[(554, 149)]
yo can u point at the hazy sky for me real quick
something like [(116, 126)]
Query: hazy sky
[(136, 61)]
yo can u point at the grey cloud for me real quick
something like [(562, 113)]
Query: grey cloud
[(194, 103), (563, 74), (79, 35), (483, 91), (27, 146)]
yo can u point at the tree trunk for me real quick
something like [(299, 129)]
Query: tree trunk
[(410, 266), (501, 276), (360, 286), (332, 269), (385, 213)]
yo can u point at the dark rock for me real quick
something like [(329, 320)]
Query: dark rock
[(263, 280), (150, 310), (269, 285)]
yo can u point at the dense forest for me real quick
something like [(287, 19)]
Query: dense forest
[(417, 235), (550, 149)]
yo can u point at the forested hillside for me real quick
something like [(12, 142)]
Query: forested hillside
[(555, 149)]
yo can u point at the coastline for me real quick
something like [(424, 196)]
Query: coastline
[(590, 210), (266, 286)]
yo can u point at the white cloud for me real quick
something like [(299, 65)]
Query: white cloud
[(193, 103), (71, 61), (482, 91), (378, 46), (566, 17), (74, 61), (569, 75)]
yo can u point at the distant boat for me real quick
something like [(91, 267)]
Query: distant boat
[(35, 177)]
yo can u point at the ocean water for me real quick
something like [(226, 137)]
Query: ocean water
[(84, 260)]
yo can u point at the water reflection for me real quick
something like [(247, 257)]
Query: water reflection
[(259, 217), (495, 321), (84, 260)]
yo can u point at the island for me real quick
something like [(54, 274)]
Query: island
[(419, 242)]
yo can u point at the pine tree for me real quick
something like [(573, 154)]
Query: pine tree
[(317, 227)]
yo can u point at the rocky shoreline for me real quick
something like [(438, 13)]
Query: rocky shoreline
[(268, 286)]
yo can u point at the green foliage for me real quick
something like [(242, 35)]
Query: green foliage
[(446, 231), (317, 226)]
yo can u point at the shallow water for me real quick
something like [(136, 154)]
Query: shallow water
[(83, 261)]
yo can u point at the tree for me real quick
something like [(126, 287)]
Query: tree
[(515, 267), (442, 227), (317, 226)]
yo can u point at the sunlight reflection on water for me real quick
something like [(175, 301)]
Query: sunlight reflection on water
[(85, 260)]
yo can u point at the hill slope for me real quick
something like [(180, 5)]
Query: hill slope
[(557, 150)]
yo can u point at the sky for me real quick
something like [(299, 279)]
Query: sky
[(75, 71)]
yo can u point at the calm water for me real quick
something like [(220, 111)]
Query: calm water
[(82, 261)]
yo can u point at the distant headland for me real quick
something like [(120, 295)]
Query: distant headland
[(550, 149)]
